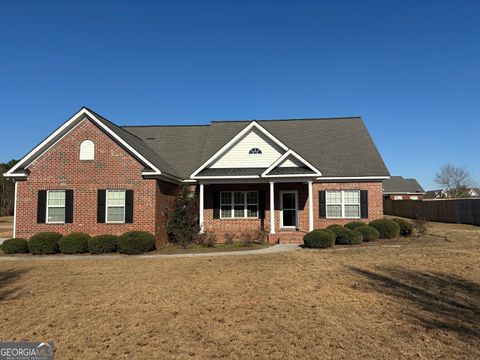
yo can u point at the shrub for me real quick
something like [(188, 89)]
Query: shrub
[(15, 246), (249, 237), (319, 239), (182, 225), (207, 239), (74, 243), (44, 243), (228, 238), (136, 242), (346, 236), (369, 233), (420, 225), (353, 225), (102, 244), (387, 228), (406, 228), (334, 226)]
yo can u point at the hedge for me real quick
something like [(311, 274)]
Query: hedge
[(388, 229), (102, 244), (353, 225), (136, 242), (406, 229), (44, 243), (74, 243), (14, 246), (319, 239), (369, 233), (346, 236)]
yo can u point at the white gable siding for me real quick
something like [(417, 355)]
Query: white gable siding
[(291, 161), (237, 156)]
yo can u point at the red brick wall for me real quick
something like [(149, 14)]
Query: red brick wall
[(113, 168), (220, 226)]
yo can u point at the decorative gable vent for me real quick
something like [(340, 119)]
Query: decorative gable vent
[(87, 150), (255, 151)]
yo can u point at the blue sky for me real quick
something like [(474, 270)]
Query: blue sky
[(411, 69)]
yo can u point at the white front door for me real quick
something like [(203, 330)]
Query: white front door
[(288, 209)]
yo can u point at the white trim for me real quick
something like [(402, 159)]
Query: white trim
[(290, 176), (47, 206), (296, 209), (310, 206), (64, 126), (354, 178), (228, 177), (272, 208), (235, 139), (405, 193), (343, 204), (115, 206), (15, 210), (283, 157), (245, 205), (201, 205)]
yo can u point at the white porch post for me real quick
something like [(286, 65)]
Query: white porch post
[(15, 211), (310, 206), (272, 208), (200, 215)]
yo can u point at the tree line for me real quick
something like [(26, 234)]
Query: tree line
[(7, 189)]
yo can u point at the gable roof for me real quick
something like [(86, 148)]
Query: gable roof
[(337, 147), (399, 185)]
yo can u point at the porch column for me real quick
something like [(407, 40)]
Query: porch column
[(272, 208), (310, 206), (200, 215)]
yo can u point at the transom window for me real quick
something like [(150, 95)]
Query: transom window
[(255, 151), (55, 206), (343, 204), (115, 206), (238, 204)]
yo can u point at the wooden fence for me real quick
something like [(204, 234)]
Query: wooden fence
[(460, 211)]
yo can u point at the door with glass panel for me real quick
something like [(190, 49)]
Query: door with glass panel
[(288, 209)]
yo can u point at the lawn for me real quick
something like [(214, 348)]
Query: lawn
[(398, 299)]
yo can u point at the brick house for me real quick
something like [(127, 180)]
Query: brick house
[(399, 188), (285, 177)]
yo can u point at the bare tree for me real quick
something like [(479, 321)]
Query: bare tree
[(455, 180)]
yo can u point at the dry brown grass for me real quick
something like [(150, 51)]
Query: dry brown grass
[(399, 299), (6, 226)]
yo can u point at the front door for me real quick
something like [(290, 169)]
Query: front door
[(288, 209)]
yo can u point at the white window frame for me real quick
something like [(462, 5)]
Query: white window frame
[(245, 205), (343, 204), (115, 206), (255, 153), (295, 192), (55, 206)]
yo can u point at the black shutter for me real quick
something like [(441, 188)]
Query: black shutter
[(322, 207), (261, 204), (68, 206), (101, 195), (363, 204), (129, 206), (41, 206), (216, 204)]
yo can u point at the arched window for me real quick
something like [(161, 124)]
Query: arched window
[(87, 150), (255, 151)]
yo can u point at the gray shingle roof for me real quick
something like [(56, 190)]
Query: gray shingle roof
[(397, 184)]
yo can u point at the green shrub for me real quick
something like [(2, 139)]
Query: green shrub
[(15, 246), (369, 233), (353, 225), (388, 229), (406, 229), (330, 227), (74, 243), (319, 239), (44, 243), (136, 242), (346, 236), (102, 244)]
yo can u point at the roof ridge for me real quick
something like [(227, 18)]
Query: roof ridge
[(165, 125), (291, 119)]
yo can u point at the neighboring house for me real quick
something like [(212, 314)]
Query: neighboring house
[(474, 192), (442, 194), (398, 188), (285, 177)]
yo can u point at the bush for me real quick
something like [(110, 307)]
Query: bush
[(182, 225), (44, 243), (319, 239), (369, 233), (346, 236), (388, 229), (15, 246), (330, 227), (249, 237), (353, 225), (228, 238), (420, 225), (102, 244), (74, 243), (136, 242), (207, 239), (406, 228)]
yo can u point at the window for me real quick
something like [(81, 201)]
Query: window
[(343, 204), (238, 204), (87, 150), (413, 197), (255, 151), (115, 205), (55, 206), (397, 197)]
